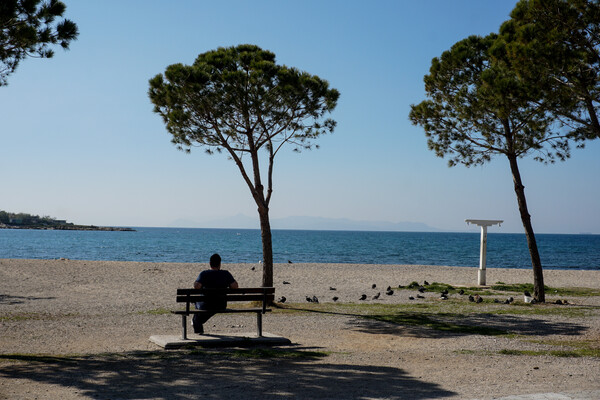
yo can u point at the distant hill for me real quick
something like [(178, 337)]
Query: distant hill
[(242, 221)]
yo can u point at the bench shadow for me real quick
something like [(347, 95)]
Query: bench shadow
[(217, 374)]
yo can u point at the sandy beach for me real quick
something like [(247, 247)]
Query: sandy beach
[(80, 330)]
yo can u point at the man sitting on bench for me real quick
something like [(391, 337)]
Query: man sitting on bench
[(213, 278)]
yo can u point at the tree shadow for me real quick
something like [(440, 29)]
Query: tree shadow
[(438, 326), (11, 300), (217, 374), (444, 325)]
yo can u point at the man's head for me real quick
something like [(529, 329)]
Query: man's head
[(215, 261)]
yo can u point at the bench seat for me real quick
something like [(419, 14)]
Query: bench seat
[(264, 295)]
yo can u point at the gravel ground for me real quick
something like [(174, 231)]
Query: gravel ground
[(80, 329)]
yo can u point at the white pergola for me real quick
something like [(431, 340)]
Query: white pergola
[(483, 223)]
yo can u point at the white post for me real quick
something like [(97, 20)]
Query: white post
[(483, 223), (482, 254)]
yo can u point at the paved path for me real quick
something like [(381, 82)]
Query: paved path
[(583, 395)]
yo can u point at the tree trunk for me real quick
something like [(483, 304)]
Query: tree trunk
[(538, 275), (267, 244)]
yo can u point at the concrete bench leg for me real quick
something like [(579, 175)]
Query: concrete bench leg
[(184, 326), (259, 323)]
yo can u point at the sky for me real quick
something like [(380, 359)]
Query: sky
[(79, 139)]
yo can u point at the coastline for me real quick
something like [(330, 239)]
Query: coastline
[(68, 228), (67, 328)]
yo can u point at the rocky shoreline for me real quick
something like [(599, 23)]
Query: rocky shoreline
[(67, 227)]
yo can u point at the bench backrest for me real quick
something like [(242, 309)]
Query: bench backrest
[(265, 295)]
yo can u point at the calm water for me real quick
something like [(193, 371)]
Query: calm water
[(196, 245)]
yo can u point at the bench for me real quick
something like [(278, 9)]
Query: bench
[(265, 295)]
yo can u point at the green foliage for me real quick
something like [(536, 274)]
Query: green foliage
[(29, 28), (240, 100), (23, 219), (478, 107), (521, 287), (515, 287), (441, 287), (577, 352), (457, 307), (555, 45)]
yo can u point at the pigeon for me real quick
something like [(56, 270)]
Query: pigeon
[(445, 291), (411, 298), (286, 283), (315, 299), (461, 292), (290, 262), (388, 288), (282, 299), (443, 297), (425, 283), (373, 286), (363, 297), (309, 299), (389, 292), (478, 299), (253, 268), (335, 298), (526, 293), (420, 297), (506, 301), (471, 298), (421, 289), (496, 301), (376, 296), (510, 300), (332, 288)]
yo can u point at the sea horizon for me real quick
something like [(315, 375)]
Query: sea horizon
[(157, 244)]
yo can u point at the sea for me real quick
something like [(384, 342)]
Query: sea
[(186, 245)]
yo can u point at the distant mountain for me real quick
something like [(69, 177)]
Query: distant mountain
[(242, 221), (321, 223), (239, 221)]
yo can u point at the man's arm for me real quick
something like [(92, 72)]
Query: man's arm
[(197, 285), (234, 285)]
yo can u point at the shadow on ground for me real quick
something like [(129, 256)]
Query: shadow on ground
[(444, 325), (11, 300), (208, 374), (434, 326)]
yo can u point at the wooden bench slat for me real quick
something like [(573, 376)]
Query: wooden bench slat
[(226, 311), (267, 290), (229, 297)]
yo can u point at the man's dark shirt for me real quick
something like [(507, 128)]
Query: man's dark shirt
[(214, 279)]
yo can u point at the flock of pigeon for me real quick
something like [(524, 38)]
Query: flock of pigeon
[(420, 289)]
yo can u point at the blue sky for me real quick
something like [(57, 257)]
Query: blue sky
[(80, 141)]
